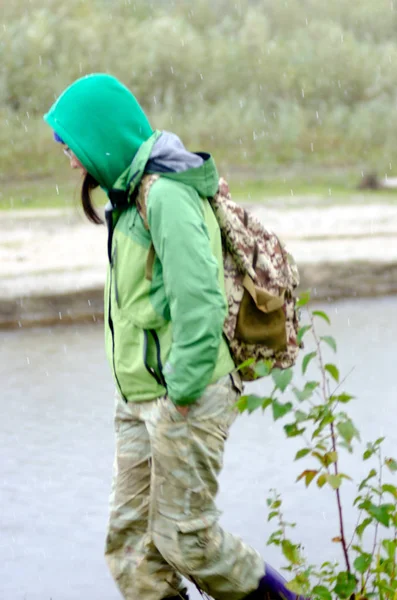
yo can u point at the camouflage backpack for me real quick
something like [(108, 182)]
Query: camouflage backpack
[(260, 278)]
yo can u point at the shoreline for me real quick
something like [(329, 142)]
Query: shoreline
[(53, 263)]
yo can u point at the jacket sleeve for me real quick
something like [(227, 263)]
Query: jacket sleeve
[(190, 271)]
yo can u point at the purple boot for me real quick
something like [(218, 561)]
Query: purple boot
[(272, 587)]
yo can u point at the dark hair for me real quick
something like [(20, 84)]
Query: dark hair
[(89, 184)]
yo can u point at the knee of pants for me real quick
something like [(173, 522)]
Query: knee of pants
[(189, 544)]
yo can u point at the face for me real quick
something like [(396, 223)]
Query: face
[(74, 161)]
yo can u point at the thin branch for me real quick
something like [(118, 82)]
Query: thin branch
[(377, 522), (354, 532), (338, 498), (326, 395), (343, 381)]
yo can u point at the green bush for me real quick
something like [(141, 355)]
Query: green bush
[(317, 414), (263, 82)]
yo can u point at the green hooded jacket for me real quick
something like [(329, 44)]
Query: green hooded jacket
[(164, 334)]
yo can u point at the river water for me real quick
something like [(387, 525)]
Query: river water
[(56, 451)]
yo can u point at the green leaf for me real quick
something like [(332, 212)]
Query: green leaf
[(330, 457), (266, 402), (303, 299), (343, 398), (292, 430), (345, 585), (302, 453), (290, 551), (364, 482), (363, 562), (363, 526), (381, 513), (282, 378), (307, 391), (330, 341), (273, 514), (321, 593), (241, 404), (246, 363), (347, 430), (390, 489), (392, 464), (302, 332), (253, 402), (306, 360), (279, 409), (322, 315), (322, 480), (335, 481), (264, 368), (300, 416), (390, 546), (308, 475), (333, 371)]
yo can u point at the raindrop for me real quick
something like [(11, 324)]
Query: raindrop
[(307, 21), (81, 67), (292, 192), (28, 115), (155, 99), (57, 189), (317, 115), (172, 70), (342, 38), (329, 192), (303, 93), (40, 60), (390, 166), (89, 302), (312, 147), (28, 360), (60, 315), (201, 76), (339, 83)]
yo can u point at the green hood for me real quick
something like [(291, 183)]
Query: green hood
[(102, 123)]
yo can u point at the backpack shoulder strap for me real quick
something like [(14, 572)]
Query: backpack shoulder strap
[(141, 203), (143, 194)]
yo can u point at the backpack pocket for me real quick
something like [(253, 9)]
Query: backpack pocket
[(261, 318)]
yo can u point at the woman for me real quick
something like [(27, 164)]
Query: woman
[(172, 420)]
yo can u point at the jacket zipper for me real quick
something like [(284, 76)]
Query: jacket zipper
[(109, 222), (114, 267)]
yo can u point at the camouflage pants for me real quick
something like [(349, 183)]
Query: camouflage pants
[(163, 518)]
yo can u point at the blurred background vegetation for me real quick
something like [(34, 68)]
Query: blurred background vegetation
[(270, 87)]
